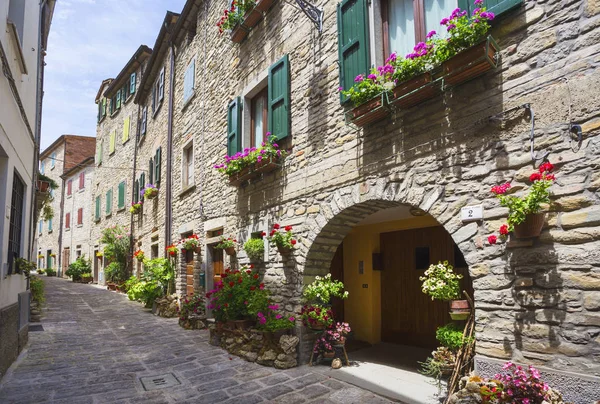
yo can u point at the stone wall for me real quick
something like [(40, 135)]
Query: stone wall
[(77, 238), (536, 302)]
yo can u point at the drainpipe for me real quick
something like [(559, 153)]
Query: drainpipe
[(169, 211), (38, 131), (62, 214), (133, 175)]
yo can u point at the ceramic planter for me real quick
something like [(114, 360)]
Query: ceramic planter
[(460, 309), (111, 286), (414, 91), (471, 63), (531, 227), (369, 112), (239, 33)]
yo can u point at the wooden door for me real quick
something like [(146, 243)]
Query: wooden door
[(218, 266), (408, 315), (96, 265), (189, 272), (337, 273), (66, 261)]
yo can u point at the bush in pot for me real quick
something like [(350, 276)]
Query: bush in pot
[(442, 283), (255, 249), (78, 268), (283, 240), (156, 281)]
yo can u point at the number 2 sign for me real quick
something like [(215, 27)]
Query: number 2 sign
[(471, 213)]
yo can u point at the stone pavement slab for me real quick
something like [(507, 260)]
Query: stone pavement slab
[(96, 345)]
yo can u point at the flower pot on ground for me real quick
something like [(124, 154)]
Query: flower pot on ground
[(471, 63), (414, 91), (329, 355), (531, 226), (111, 286)]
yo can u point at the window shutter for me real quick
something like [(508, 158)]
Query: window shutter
[(80, 216), (125, 92), (161, 84), (136, 191), (68, 221), (41, 226), (154, 90), (111, 148), (142, 181), (82, 180), (188, 81), (126, 125), (497, 7), (49, 224), (108, 201), (103, 106), (119, 99), (69, 187), (151, 171), (144, 120), (279, 98), (99, 111), (234, 126), (121, 196), (97, 208), (100, 150), (353, 42), (157, 159), (132, 83)]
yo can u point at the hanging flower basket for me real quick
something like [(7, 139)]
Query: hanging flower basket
[(531, 227), (136, 208), (283, 250), (472, 62), (414, 91), (239, 33), (264, 5), (230, 250), (150, 192), (369, 112), (43, 186), (459, 309)]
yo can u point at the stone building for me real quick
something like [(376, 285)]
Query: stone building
[(376, 205), (113, 186), (24, 29), (78, 213), (65, 155), (154, 100)]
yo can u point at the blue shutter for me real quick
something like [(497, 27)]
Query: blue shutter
[(353, 42), (50, 224), (188, 81), (234, 126), (279, 98), (497, 7), (161, 84), (132, 83)]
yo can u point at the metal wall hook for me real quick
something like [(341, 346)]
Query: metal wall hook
[(314, 13)]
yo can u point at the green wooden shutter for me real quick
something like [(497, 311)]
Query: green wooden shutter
[(234, 126), (498, 7), (108, 201), (132, 83), (97, 208), (279, 98), (118, 99), (99, 110), (103, 106), (353, 42), (121, 196), (151, 171), (142, 181), (136, 191), (157, 166)]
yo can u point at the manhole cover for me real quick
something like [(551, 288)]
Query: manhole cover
[(35, 327), (159, 382)]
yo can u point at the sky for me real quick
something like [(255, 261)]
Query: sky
[(91, 40)]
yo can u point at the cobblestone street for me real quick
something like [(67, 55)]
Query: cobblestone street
[(96, 345)]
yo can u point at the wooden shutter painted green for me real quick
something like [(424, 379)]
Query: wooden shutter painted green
[(157, 159), (279, 98), (99, 110), (132, 83), (121, 195), (353, 42), (136, 191), (161, 84), (151, 171), (234, 126), (97, 208), (498, 7), (109, 201), (103, 106), (142, 181), (119, 99)]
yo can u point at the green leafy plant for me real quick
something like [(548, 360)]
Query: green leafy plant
[(367, 88), (323, 288), (271, 320), (191, 305), (50, 272), (255, 248), (78, 268), (155, 281), (47, 212), (24, 266), (136, 207), (441, 282), (451, 336), (226, 243), (283, 238), (314, 315), (116, 251), (113, 273), (36, 285), (239, 295), (234, 15)]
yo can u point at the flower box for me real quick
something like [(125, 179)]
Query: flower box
[(531, 227), (151, 194), (252, 18), (266, 165), (471, 63), (239, 33), (264, 5), (239, 177), (414, 91), (43, 186), (369, 112)]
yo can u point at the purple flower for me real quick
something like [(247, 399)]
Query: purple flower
[(372, 77), (275, 145), (430, 34), (476, 11), (259, 158), (278, 153), (273, 306), (359, 78), (263, 151), (444, 21), (278, 316), (488, 15), (478, 2), (391, 58), (262, 320), (388, 69), (455, 13), (340, 89), (451, 27)]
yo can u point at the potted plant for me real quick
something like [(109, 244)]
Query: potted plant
[(50, 272), (191, 243), (136, 207), (273, 323), (45, 183), (255, 248), (316, 316), (99, 254), (78, 268), (525, 216), (227, 244), (24, 266), (323, 289), (150, 191), (87, 277), (368, 96), (139, 255), (40, 256), (283, 240), (338, 333), (442, 283), (52, 255), (232, 19), (172, 250), (323, 346)]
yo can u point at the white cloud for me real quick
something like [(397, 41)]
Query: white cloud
[(91, 40)]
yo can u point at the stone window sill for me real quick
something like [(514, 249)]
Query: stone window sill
[(187, 190)]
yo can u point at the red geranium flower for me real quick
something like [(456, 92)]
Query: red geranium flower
[(293, 242), (492, 239), (261, 286), (535, 177), (263, 234), (248, 271), (240, 280), (255, 276), (504, 230), (276, 226), (288, 228), (231, 284), (252, 287), (546, 167)]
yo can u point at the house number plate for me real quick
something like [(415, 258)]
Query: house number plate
[(470, 213)]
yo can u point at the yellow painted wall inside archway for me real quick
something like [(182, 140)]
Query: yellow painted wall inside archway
[(362, 309)]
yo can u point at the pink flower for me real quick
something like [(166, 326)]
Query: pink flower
[(292, 319), (500, 189)]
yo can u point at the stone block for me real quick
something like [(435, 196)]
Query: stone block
[(584, 217), (591, 300)]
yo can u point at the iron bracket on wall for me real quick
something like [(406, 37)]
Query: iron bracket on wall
[(314, 13)]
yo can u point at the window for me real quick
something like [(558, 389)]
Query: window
[(97, 215), (69, 187), (16, 15), (151, 171), (118, 98), (126, 126), (43, 167), (111, 146), (187, 175), (259, 119), (136, 191), (144, 120), (68, 221), (121, 196), (40, 226), (49, 225), (132, 83), (99, 149), (82, 180), (158, 90), (188, 81), (80, 217), (125, 93), (109, 198), (53, 161), (16, 220)]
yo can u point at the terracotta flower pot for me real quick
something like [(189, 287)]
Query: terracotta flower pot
[(471, 63), (329, 355), (371, 111), (283, 250), (230, 250), (531, 227), (43, 186), (317, 326)]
